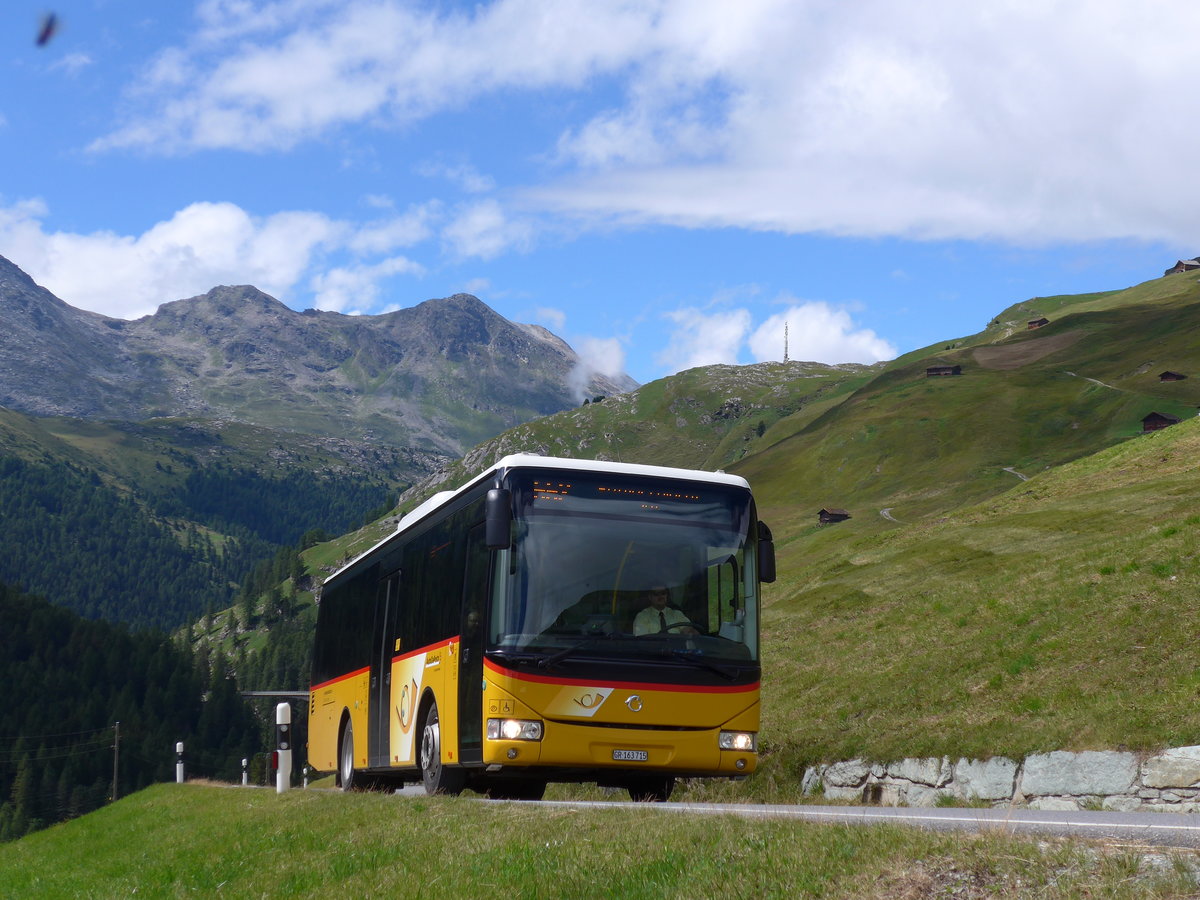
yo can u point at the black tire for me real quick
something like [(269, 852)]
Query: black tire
[(438, 779), (517, 790), (347, 777), (652, 789)]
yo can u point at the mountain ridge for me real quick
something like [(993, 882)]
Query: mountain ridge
[(438, 376)]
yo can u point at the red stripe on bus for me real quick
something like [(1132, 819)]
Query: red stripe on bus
[(624, 685), (439, 645), (395, 659), (323, 684)]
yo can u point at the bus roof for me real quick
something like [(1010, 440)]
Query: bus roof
[(533, 461)]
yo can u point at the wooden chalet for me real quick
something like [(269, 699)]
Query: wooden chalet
[(1183, 265), (829, 515), (940, 371), (1157, 421), (1038, 323), (1171, 376)]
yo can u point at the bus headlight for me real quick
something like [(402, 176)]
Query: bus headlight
[(514, 730), (738, 740)]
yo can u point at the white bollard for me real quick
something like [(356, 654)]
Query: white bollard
[(245, 771), (179, 763), (283, 745), (305, 781)]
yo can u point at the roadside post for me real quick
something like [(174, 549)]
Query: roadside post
[(245, 771), (179, 763), (283, 746)]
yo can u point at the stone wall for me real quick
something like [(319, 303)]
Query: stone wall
[(1167, 781)]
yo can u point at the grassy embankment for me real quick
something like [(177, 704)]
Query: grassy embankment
[(1061, 614), (194, 840)]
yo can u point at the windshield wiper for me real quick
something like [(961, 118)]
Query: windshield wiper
[(510, 656), (547, 662), (691, 656)]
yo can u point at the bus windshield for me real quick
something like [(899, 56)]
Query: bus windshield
[(616, 567)]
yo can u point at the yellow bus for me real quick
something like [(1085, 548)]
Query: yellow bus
[(552, 620)]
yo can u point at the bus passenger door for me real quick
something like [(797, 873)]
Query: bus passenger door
[(470, 681), (378, 728)]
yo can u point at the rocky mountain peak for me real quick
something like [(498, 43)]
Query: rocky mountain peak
[(438, 376)]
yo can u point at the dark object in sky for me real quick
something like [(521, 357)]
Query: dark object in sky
[(47, 30)]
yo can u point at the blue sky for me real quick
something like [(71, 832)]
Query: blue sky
[(663, 184)]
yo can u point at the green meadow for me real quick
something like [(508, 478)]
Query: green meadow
[(209, 841)]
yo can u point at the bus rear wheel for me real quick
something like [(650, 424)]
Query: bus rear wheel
[(652, 789), (346, 759), (437, 778)]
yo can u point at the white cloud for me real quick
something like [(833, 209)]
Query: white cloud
[(71, 63), (485, 230), (816, 332), (700, 338), (604, 356), (203, 245), (298, 69), (383, 236), (597, 356), (1020, 121), (356, 289), (463, 175)]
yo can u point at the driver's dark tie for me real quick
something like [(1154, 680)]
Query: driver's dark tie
[(662, 621)]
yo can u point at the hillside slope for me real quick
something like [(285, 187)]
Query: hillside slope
[(153, 524), (703, 418), (919, 446), (1060, 614)]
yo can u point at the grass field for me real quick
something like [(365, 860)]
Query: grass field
[(1061, 614), (193, 840)]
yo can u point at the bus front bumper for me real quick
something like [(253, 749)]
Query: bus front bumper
[(685, 752)]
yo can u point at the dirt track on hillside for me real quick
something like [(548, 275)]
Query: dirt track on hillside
[(1013, 356)]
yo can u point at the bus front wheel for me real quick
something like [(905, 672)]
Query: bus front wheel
[(437, 778), (346, 759)]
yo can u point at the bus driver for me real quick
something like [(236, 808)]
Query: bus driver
[(659, 617)]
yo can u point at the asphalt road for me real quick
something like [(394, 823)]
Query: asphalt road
[(1155, 829)]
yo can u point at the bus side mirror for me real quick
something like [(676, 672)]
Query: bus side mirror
[(498, 514), (766, 554)]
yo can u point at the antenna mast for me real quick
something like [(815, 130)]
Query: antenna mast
[(785, 341)]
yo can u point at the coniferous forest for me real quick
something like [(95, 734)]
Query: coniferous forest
[(105, 554), (119, 567), (69, 681)]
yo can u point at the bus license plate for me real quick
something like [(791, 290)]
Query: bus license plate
[(631, 755)]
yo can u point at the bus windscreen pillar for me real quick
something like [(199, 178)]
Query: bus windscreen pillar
[(283, 746)]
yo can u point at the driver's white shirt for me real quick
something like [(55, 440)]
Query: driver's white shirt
[(647, 621)]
